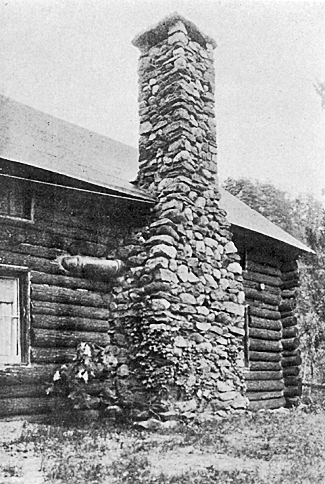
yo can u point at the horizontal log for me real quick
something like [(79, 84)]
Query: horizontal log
[(57, 218), (264, 385), (264, 345), (70, 282), (12, 256), (291, 361), (71, 240), (52, 355), (290, 344), (50, 253), (57, 309), (273, 281), (265, 365), (292, 392), (290, 332), (43, 237), (267, 288), (80, 297), (47, 321), (262, 268), (48, 338), (28, 406), (292, 381), (267, 334), (290, 284), (291, 371), (288, 314), (22, 391), (264, 356), (290, 276), (59, 222), (32, 262), (39, 418), (263, 296), (91, 244), (252, 396), (273, 403), (289, 321), (265, 258), (287, 305), (289, 293), (70, 208), (26, 375), (263, 375), (264, 313), (274, 325), (295, 352), (261, 305)]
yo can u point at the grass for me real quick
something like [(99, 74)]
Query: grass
[(268, 447)]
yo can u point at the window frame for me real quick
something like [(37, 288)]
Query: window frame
[(32, 202), (21, 273)]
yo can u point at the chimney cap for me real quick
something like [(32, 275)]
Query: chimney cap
[(156, 34)]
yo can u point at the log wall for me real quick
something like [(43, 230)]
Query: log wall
[(65, 309), (291, 359), (272, 372), (264, 374)]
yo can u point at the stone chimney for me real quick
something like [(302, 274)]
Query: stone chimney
[(177, 120), (187, 280)]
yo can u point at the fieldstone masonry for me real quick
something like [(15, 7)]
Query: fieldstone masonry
[(181, 304)]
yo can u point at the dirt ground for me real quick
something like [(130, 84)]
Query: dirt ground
[(20, 465)]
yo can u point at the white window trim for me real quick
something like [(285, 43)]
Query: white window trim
[(23, 275)]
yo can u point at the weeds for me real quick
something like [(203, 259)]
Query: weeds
[(277, 448), (10, 470)]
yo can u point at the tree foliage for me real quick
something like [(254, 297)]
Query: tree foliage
[(267, 200), (304, 218)]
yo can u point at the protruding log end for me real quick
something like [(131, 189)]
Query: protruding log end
[(90, 266)]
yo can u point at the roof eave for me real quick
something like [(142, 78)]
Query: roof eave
[(125, 192), (300, 249)]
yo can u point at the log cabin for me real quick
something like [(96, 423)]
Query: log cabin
[(85, 255)]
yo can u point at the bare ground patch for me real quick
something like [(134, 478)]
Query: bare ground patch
[(269, 447)]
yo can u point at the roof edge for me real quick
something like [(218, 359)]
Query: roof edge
[(122, 187), (265, 227)]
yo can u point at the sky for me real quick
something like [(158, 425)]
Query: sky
[(74, 59)]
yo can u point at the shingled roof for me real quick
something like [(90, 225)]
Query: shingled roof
[(241, 215), (43, 141), (40, 140)]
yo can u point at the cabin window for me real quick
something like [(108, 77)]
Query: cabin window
[(15, 199), (13, 316)]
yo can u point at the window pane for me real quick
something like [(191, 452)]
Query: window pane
[(6, 349), (15, 199), (10, 347)]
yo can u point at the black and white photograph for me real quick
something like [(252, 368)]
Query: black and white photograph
[(162, 241)]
